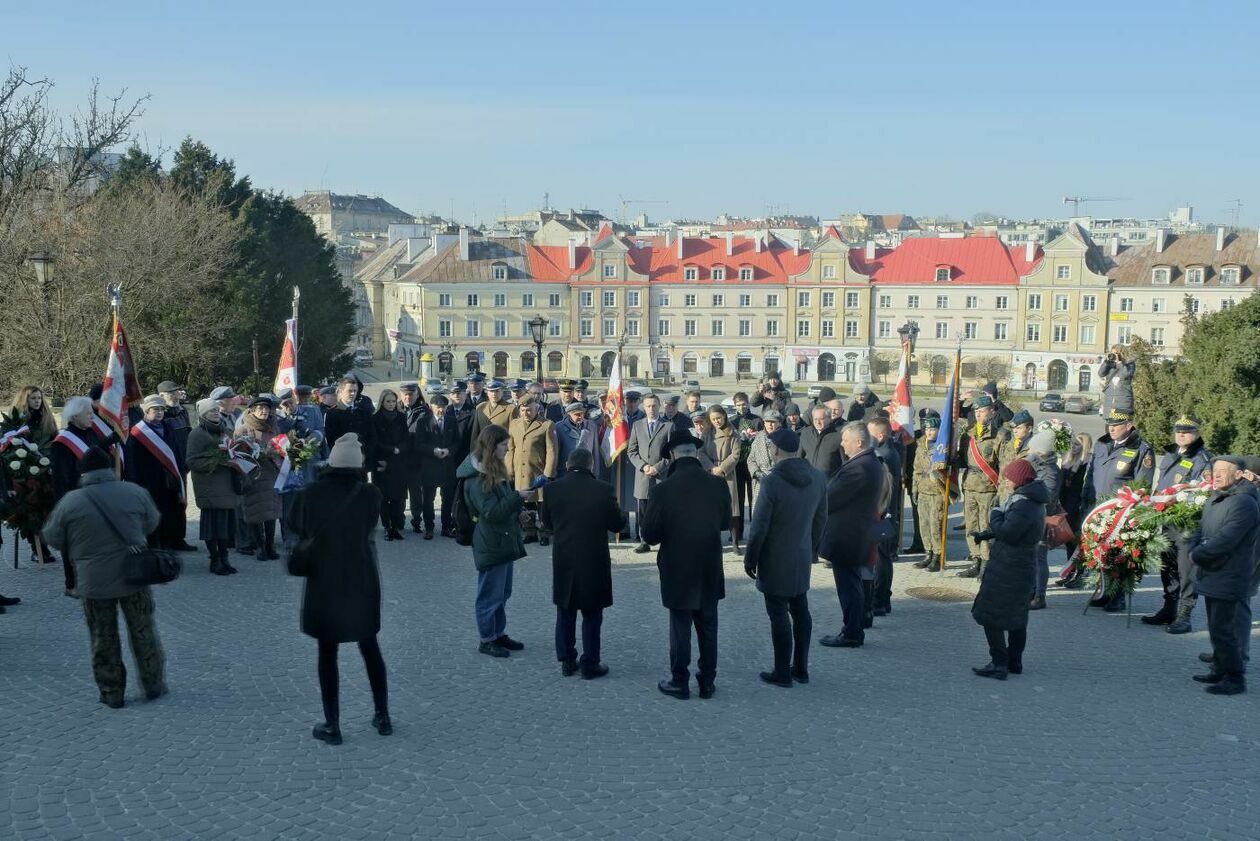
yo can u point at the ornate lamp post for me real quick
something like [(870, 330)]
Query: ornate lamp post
[(909, 332), (537, 330)]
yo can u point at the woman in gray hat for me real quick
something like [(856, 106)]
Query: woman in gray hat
[(760, 458), (216, 486)]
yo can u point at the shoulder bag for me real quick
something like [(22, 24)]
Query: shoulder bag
[(143, 565), (1058, 530)]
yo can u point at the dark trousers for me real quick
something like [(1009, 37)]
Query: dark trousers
[(917, 541), (264, 536), (146, 647), (329, 679), (852, 599), (640, 511), (790, 630), (246, 533), (430, 493), (393, 511), (421, 499), (884, 575), (1006, 648), (705, 621), (67, 568), (743, 486), (566, 636), (1227, 649)]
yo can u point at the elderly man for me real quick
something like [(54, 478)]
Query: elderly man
[(645, 452), (864, 401), (686, 515), (71, 444), (1120, 458), (889, 451), (670, 410), (440, 445), (980, 450), (531, 455), (853, 511), (495, 410), (575, 432), (787, 528), (1186, 460), (1223, 553), (820, 442)]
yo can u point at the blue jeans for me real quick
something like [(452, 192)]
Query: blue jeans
[(494, 588), (1042, 575)]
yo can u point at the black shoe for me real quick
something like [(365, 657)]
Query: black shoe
[(774, 680), (934, 564), (269, 555), (389, 536), (569, 668), (544, 541), (3, 609), (231, 569), (1037, 603), (1164, 616), (840, 641), (246, 551), (154, 694), (923, 564), (1210, 677), (914, 549), (972, 571), (428, 535), (706, 691), (800, 677), (329, 733), (184, 546), (1181, 626), (1074, 582), (112, 703), (591, 674), (510, 644), (382, 724), (416, 528), (218, 567), (530, 538), (990, 670), (493, 649), (398, 535), (9, 601), (680, 691), (642, 549), (1229, 686), (1100, 601), (882, 611), (868, 621), (1207, 657), (1015, 668)]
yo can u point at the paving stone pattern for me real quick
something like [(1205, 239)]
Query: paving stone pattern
[(1103, 736)]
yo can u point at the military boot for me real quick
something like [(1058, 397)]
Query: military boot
[(972, 571), (1181, 625), (1165, 615)]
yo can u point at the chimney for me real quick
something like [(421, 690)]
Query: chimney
[(1220, 238), (669, 237), (870, 249), (757, 243), (796, 247), (680, 246), (1161, 239), (463, 244), (572, 253), (1115, 244), (730, 243), (1030, 251)]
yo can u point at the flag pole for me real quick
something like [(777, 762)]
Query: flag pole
[(297, 293), (114, 291), (949, 472), (620, 463)]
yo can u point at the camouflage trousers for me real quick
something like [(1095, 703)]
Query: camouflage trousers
[(977, 505), (931, 510), (107, 660)]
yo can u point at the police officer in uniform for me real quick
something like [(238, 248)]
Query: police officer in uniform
[(476, 389), (980, 451), (1120, 458), (1185, 460)]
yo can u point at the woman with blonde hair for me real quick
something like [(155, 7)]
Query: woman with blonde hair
[(31, 410), (1075, 468)]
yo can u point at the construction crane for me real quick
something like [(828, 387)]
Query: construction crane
[(625, 204), (1077, 201)]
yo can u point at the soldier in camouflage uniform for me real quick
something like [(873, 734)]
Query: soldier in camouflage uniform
[(1021, 432), (929, 495), (980, 451)]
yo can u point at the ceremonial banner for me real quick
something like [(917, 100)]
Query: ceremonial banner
[(286, 373), (120, 388), (943, 449), (901, 407), (616, 430)]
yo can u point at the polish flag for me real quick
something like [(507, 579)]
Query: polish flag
[(120, 387), (616, 430), (901, 407), (286, 373)]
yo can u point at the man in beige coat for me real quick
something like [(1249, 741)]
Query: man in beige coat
[(497, 409), (531, 454)]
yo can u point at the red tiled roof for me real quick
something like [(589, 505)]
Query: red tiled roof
[(832, 233), (774, 263), (605, 231), (550, 263), (980, 260)]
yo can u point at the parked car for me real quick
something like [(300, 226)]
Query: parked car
[(635, 385), (690, 385), (813, 391), (434, 387), (1078, 405), (551, 385), (1051, 402)]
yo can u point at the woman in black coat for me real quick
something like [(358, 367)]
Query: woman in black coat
[(333, 519), (392, 444), (1001, 606), (1075, 479)]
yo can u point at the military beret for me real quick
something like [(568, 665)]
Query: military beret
[(1022, 416), (168, 386), (1117, 417), (932, 422), (982, 401), (1186, 423)]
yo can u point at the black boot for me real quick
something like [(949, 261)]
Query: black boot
[(216, 560), (1181, 624), (224, 554), (1165, 615), (268, 550), (972, 571)]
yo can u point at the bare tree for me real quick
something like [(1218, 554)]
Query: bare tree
[(995, 368)]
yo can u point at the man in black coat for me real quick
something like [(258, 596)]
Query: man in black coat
[(1223, 553), (686, 514), (820, 442), (789, 515), (853, 511), (352, 413), (580, 510), (889, 452), (441, 448), (416, 416)]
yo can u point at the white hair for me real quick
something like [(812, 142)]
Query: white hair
[(76, 407)]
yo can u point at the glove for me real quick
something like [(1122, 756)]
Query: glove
[(751, 570), (981, 536)]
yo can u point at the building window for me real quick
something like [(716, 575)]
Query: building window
[(942, 329), (1229, 276), (662, 328), (1194, 276), (745, 300), (829, 300), (444, 299), (1060, 303), (500, 299), (586, 328), (746, 273), (719, 273), (1063, 273), (1160, 275), (610, 327), (719, 300), (472, 329), (474, 300), (444, 328), (1087, 334), (772, 300), (912, 302), (971, 329), (1089, 303), (851, 328), (527, 300), (632, 327), (553, 328), (772, 327), (689, 327), (1126, 305), (610, 270), (999, 332), (500, 272), (1194, 306), (1002, 302), (691, 273), (1227, 304), (1124, 334), (885, 329), (689, 300), (500, 329), (1034, 300), (610, 298), (717, 327), (942, 302), (1159, 305), (632, 299), (802, 299), (851, 300), (942, 275), (829, 272), (586, 298), (828, 329), (802, 329), (973, 302), (1032, 333), (1058, 334), (525, 331), (1157, 336), (745, 327), (663, 301), (885, 302), (553, 300)]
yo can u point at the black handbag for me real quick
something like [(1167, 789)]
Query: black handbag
[(143, 566)]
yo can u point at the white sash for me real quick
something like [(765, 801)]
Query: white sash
[(72, 442)]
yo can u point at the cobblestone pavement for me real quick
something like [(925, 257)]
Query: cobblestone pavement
[(1103, 736)]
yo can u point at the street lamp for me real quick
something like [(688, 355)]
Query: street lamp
[(909, 332), (537, 329)]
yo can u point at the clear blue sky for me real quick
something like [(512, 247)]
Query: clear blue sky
[(819, 108)]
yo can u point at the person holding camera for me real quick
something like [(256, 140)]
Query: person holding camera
[(1116, 375)]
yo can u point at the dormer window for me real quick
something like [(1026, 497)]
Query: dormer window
[(500, 271), (1160, 275), (1230, 275), (719, 273), (610, 270), (745, 273), (942, 274), (829, 271), (1194, 276), (691, 273)]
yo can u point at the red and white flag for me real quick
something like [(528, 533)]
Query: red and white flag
[(901, 407), (616, 430), (120, 388), (286, 373)]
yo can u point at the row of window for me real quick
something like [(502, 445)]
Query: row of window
[(500, 299), (1062, 303), (1230, 275), (472, 328)]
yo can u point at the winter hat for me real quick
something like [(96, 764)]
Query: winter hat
[(772, 415), (1020, 472), (347, 452), (1042, 443), (785, 439), (205, 405), (153, 401), (826, 393), (991, 388), (95, 459)]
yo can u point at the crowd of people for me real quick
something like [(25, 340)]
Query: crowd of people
[(761, 478)]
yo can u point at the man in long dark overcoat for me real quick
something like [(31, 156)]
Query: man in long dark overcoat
[(580, 510), (686, 513)]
